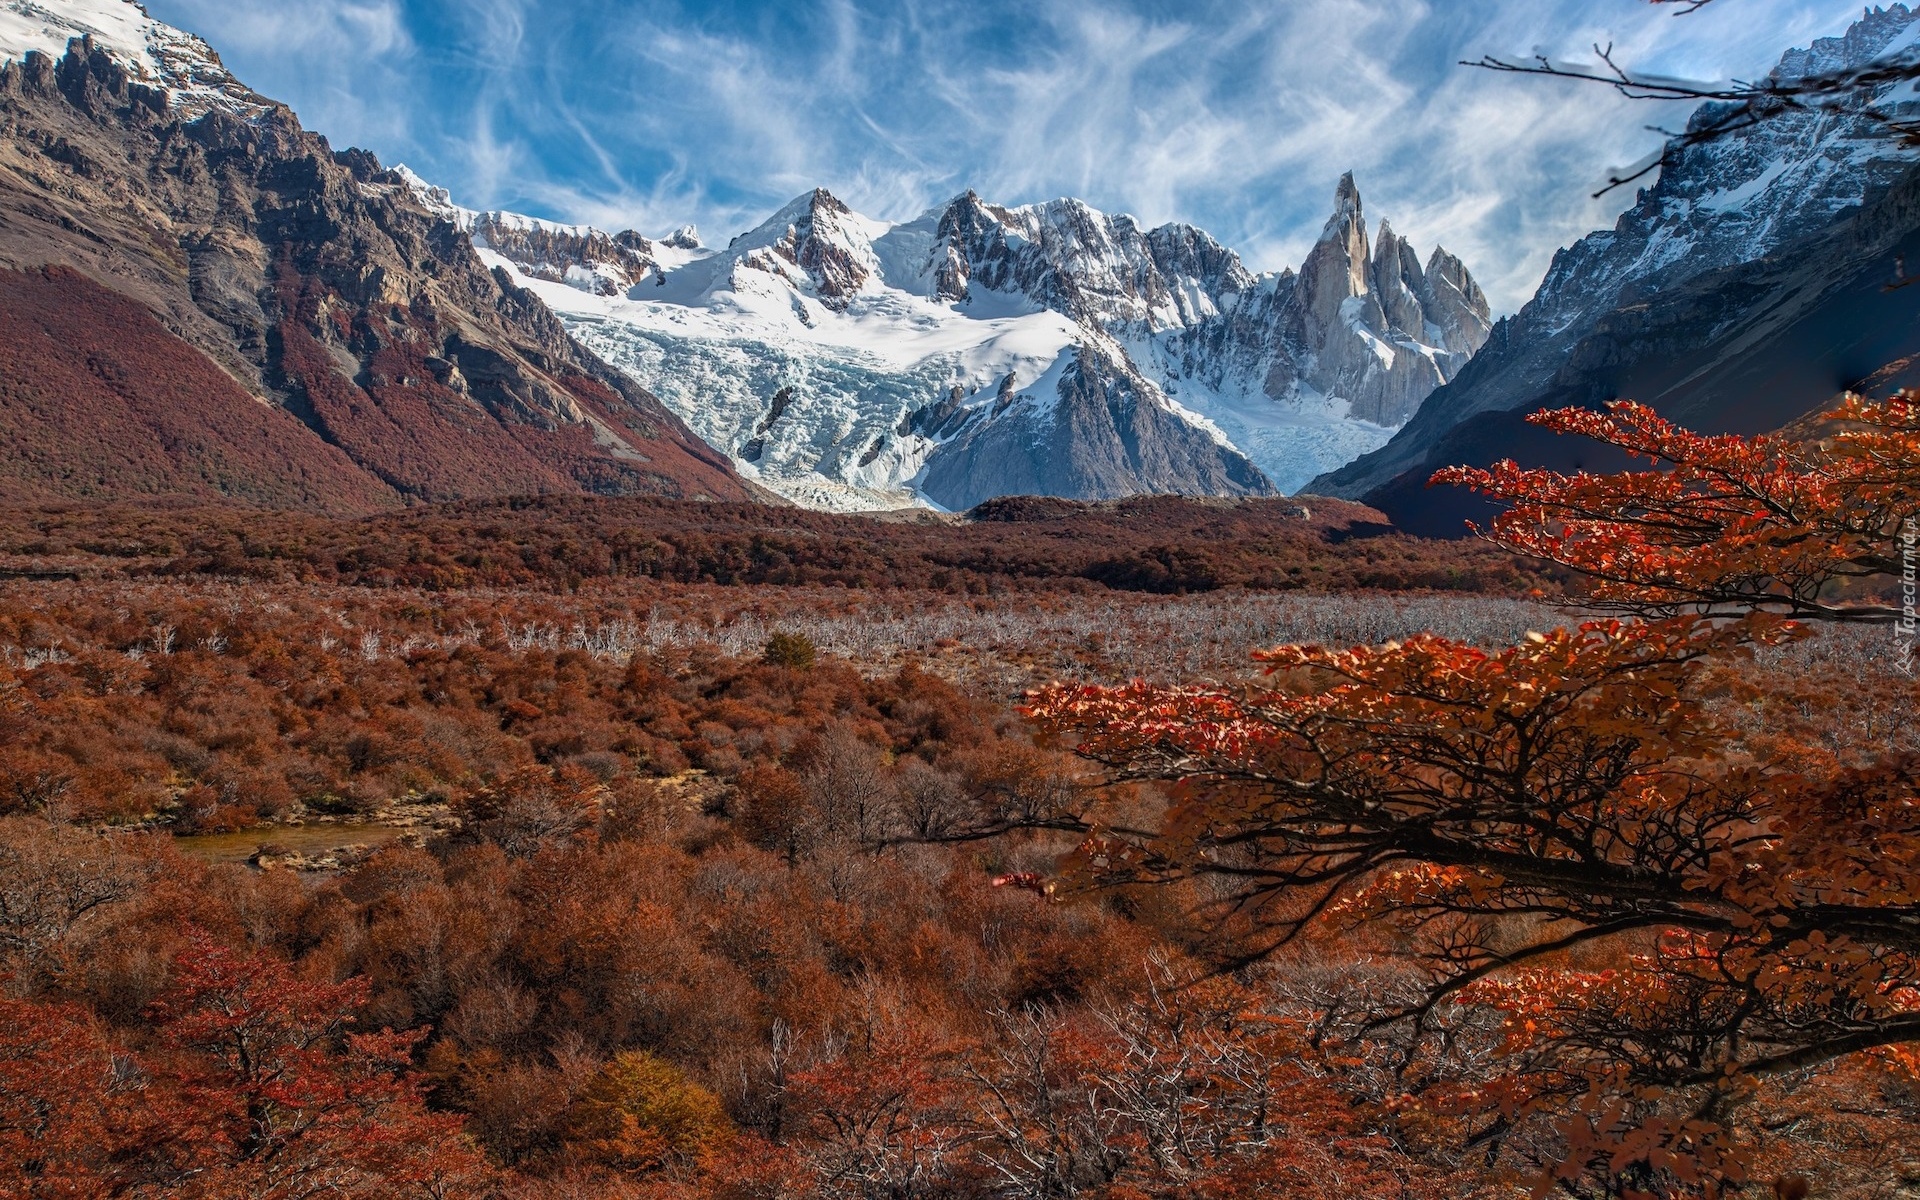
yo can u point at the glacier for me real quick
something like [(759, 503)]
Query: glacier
[(977, 312)]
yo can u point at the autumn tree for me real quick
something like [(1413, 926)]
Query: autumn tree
[(251, 1084), (1723, 526), (1672, 921), (68, 1107), (640, 1113), (273, 1094)]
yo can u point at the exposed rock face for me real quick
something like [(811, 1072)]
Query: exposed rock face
[(1740, 291), (322, 286), (1368, 326), (1102, 435), (1455, 306), (580, 256), (605, 264)]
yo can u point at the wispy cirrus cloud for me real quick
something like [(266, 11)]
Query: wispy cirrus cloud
[(1235, 117)]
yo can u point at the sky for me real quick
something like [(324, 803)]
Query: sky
[(1235, 117)]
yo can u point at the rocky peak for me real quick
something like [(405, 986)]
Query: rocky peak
[(1345, 234), (829, 244), (1374, 326), (1097, 268), (1399, 283), (1184, 252), (963, 234), (184, 72), (1336, 271), (1455, 304), (1865, 40), (1346, 200)]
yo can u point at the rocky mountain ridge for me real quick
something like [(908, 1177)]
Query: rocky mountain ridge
[(315, 281), (176, 64), (1742, 289), (897, 346)]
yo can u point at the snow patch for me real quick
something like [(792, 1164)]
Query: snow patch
[(154, 53)]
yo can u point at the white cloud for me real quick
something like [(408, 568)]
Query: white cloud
[(1236, 117)]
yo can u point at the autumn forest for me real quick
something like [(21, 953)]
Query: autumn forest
[(436, 763), (333, 868)]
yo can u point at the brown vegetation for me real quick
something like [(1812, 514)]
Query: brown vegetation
[(1162, 545), (98, 401)]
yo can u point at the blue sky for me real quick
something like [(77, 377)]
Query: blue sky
[(1238, 118)]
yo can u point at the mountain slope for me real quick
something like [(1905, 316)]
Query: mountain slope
[(313, 280), (1741, 290), (849, 362), (98, 401)]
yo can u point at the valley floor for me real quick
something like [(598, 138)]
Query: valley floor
[(598, 843)]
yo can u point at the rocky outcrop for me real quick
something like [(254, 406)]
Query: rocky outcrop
[(580, 256), (604, 264), (1102, 433), (321, 285), (1367, 325)]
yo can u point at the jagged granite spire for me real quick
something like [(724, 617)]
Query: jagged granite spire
[(1362, 318)]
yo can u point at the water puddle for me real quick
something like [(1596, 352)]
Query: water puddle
[(310, 841)]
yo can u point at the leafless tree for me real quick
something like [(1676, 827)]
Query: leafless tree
[(1857, 91), (55, 882)]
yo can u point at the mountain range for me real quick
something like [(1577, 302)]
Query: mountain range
[(200, 298), (984, 350)]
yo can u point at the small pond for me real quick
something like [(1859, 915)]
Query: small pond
[(310, 840)]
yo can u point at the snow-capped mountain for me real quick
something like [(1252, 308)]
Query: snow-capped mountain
[(156, 55), (982, 350), (1707, 297)]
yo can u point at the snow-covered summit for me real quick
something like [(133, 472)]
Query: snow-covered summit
[(815, 245), (154, 53)]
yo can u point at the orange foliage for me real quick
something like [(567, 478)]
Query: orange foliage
[(1637, 917), (1724, 524)]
